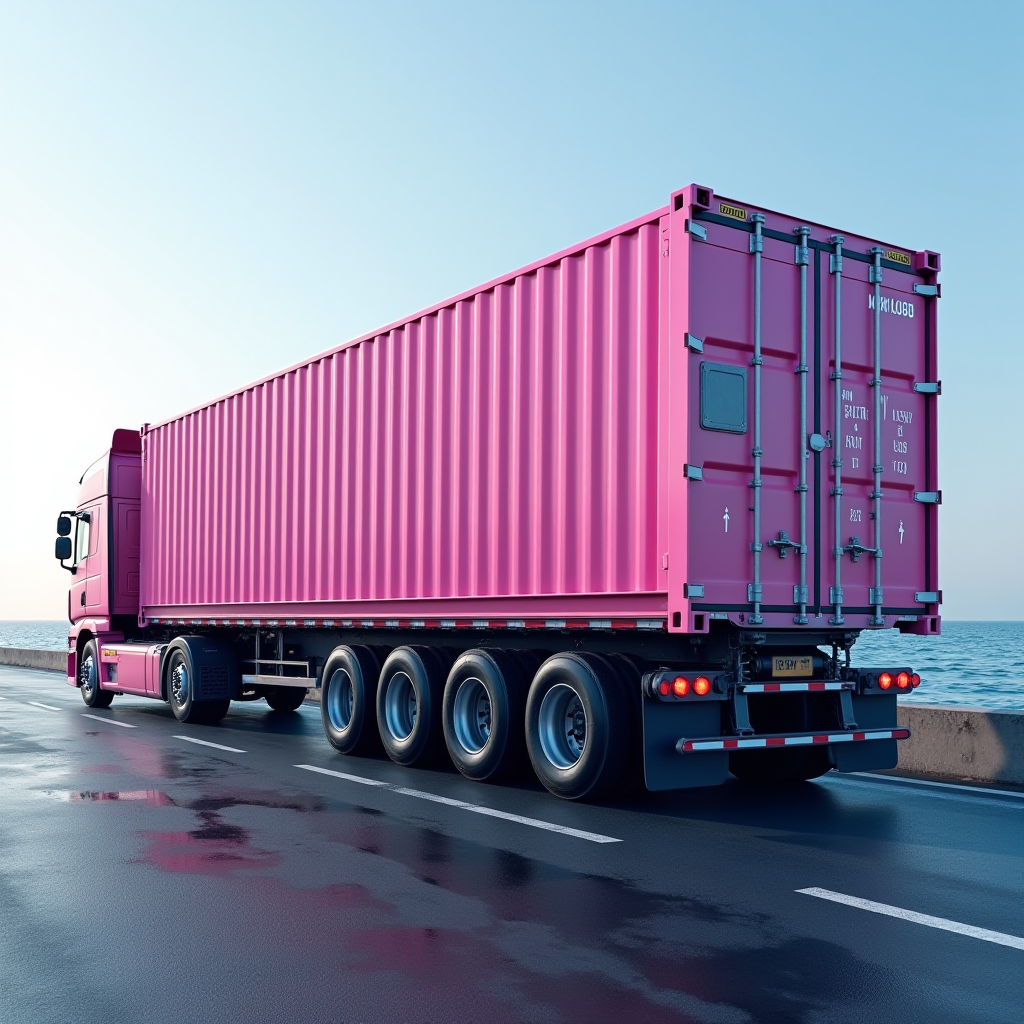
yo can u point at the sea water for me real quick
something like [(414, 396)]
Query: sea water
[(978, 664)]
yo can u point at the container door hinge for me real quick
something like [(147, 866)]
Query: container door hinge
[(692, 590), (694, 344), (697, 230), (928, 290), (928, 497), (664, 560), (693, 472), (929, 389), (928, 597)]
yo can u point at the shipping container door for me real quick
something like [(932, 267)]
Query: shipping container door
[(875, 553), (744, 429), (784, 526)]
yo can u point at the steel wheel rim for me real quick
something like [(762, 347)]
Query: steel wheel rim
[(471, 715), (179, 684), (340, 699), (562, 726), (87, 675), (400, 706)]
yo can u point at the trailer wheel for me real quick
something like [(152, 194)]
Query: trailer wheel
[(409, 704), (89, 678), (482, 714), (578, 721), (782, 766), (348, 698), (285, 698), (770, 769)]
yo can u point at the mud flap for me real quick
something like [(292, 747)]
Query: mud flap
[(870, 712), (664, 726)]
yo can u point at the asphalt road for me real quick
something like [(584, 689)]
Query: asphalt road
[(144, 877)]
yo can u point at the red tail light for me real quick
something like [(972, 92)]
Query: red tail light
[(701, 685), (681, 686), (915, 680), (664, 688), (885, 680), (903, 680)]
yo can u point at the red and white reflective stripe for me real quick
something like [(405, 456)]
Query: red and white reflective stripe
[(792, 687), (649, 624), (797, 740)]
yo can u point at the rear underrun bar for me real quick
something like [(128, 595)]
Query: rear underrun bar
[(803, 739)]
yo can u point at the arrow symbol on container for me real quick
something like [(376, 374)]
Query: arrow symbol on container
[(725, 519)]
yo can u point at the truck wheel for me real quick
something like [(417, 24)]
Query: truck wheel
[(284, 698), (348, 698), (578, 726), (180, 692), (482, 714), (409, 704), (89, 678)]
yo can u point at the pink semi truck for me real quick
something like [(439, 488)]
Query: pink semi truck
[(622, 512)]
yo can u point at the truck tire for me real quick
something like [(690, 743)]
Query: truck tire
[(181, 676), (285, 698), (89, 678), (409, 698), (482, 715), (779, 767), (348, 699), (785, 765), (578, 720)]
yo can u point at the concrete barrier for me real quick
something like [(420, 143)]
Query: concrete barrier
[(974, 744), (947, 741), (24, 657)]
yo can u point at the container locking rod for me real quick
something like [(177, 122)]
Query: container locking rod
[(756, 247), (875, 276), (836, 595)]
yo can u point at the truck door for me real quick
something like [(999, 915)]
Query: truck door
[(87, 586)]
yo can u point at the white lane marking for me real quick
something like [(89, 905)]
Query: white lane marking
[(109, 721), (48, 707), (985, 934), (207, 743), (895, 780), (549, 826), (341, 775)]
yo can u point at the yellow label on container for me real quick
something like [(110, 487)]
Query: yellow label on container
[(732, 211), (792, 667), (897, 257)]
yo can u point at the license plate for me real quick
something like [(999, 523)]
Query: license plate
[(792, 668)]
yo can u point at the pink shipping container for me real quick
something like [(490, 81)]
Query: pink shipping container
[(715, 421)]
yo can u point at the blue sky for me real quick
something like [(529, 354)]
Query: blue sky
[(193, 195)]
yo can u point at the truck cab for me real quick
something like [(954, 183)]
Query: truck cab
[(98, 543)]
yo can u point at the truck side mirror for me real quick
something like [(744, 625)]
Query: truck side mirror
[(64, 528), (62, 549)]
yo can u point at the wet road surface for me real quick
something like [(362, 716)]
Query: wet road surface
[(146, 877)]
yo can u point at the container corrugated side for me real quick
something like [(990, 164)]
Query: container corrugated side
[(498, 454)]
